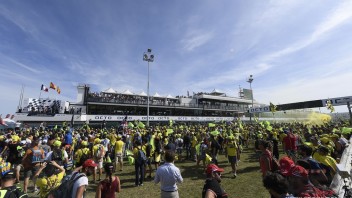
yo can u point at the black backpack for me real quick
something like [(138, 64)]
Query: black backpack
[(66, 187), (141, 158), (57, 156), (13, 192)]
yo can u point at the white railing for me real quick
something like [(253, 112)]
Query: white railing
[(343, 177)]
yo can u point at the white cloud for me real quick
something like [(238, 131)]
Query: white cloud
[(196, 39)]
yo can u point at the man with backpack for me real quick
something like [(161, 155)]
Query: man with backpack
[(31, 163), (57, 153), (98, 156), (82, 154), (74, 185), (8, 187), (139, 163)]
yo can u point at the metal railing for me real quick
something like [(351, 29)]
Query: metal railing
[(165, 103)]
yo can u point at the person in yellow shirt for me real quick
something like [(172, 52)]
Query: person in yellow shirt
[(119, 146), (194, 143), (232, 153), (98, 156), (322, 156), (82, 154), (50, 179)]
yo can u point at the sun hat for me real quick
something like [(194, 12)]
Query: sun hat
[(89, 163), (213, 168)]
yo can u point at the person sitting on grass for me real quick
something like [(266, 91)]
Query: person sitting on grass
[(277, 185)]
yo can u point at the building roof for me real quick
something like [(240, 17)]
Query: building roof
[(110, 90)]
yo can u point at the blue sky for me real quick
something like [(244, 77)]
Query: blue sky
[(297, 50)]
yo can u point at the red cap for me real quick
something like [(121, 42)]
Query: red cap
[(286, 164), (89, 163), (213, 168), (299, 171)]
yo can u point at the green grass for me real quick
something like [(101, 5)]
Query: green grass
[(247, 184)]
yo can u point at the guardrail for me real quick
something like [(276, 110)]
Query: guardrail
[(166, 104), (343, 177)]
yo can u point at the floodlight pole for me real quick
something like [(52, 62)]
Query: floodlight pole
[(349, 111), (149, 57), (250, 80)]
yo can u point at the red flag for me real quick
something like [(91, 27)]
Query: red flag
[(7, 116), (44, 88), (52, 86)]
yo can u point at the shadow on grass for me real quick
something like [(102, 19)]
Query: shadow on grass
[(193, 172), (248, 169)]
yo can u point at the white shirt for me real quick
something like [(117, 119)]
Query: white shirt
[(80, 182)]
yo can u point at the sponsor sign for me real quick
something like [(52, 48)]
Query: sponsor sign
[(155, 118), (338, 101), (259, 109)]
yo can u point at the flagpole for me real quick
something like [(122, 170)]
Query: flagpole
[(40, 94)]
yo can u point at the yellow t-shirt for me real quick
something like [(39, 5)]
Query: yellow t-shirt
[(119, 146), (194, 142), (95, 149), (112, 138), (46, 184), (326, 160), (231, 148), (80, 152)]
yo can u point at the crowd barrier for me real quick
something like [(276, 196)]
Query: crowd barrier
[(343, 177)]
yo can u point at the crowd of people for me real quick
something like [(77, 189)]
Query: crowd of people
[(59, 161)]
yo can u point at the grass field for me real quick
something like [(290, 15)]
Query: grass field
[(248, 183)]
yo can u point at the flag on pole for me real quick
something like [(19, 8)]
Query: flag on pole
[(58, 90), (52, 86), (272, 108), (44, 88), (7, 116), (329, 106), (12, 117)]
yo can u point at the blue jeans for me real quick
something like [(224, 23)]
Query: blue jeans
[(139, 169)]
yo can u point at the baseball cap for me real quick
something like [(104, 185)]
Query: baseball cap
[(8, 175), (89, 163), (286, 164), (57, 143), (299, 171), (214, 168)]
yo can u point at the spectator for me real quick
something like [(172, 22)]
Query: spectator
[(68, 138), (212, 186), (8, 187), (50, 179), (168, 175), (139, 165), (110, 185), (300, 184), (119, 145), (265, 157), (232, 153), (31, 163), (277, 185), (79, 187), (98, 156)]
